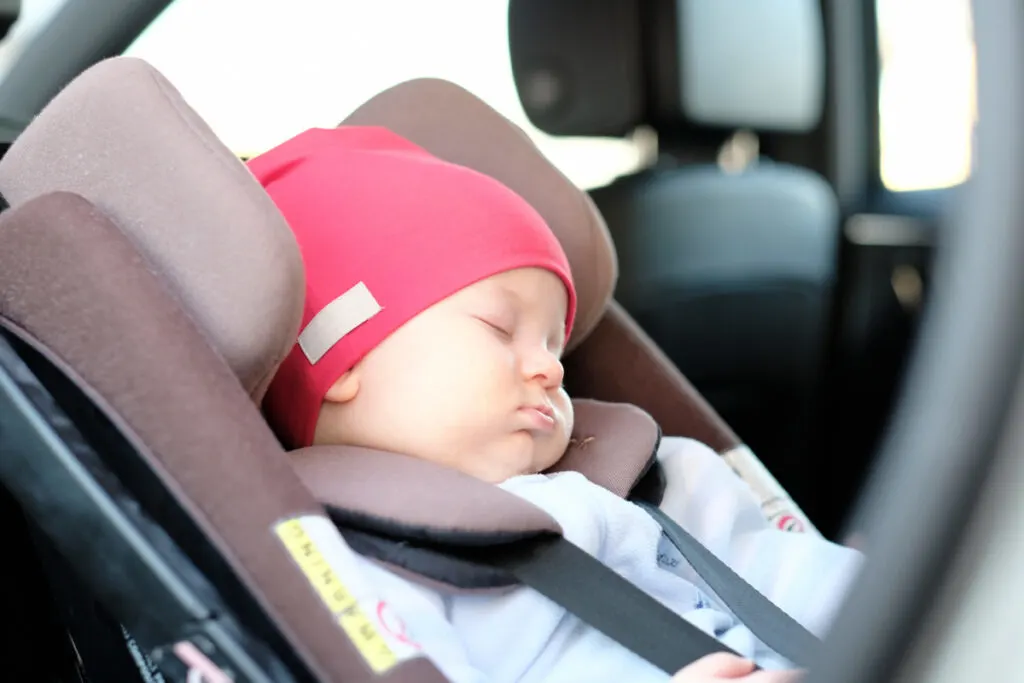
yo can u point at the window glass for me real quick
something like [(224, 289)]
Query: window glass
[(32, 18), (260, 71), (927, 104)]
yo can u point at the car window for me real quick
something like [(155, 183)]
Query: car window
[(32, 17), (260, 71), (927, 104)]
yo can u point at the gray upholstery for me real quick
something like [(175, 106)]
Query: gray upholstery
[(732, 275), (702, 227)]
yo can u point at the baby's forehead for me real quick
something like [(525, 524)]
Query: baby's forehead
[(529, 287), (494, 288)]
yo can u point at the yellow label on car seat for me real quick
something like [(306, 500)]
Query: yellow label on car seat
[(318, 550)]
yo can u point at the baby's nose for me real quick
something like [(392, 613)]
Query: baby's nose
[(545, 366)]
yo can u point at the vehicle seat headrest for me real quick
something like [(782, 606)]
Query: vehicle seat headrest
[(604, 70), (121, 136), (455, 125)]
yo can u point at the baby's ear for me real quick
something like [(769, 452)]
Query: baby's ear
[(344, 388)]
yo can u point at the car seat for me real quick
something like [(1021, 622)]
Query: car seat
[(729, 264), (148, 290)]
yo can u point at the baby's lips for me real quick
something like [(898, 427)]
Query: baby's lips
[(538, 418)]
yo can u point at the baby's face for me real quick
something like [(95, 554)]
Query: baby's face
[(474, 382)]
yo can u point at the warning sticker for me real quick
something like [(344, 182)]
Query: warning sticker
[(776, 505), (331, 567)]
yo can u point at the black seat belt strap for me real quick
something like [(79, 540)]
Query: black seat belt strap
[(584, 586), (570, 577), (767, 622)]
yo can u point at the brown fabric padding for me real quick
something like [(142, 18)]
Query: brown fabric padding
[(612, 444), (619, 362), (455, 125), (404, 491), (121, 136), (71, 280)]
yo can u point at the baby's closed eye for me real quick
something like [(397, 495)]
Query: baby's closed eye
[(504, 328)]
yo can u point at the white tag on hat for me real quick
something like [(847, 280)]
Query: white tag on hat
[(337, 319)]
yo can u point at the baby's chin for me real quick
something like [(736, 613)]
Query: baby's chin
[(529, 457)]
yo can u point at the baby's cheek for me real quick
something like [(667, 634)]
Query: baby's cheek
[(564, 405)]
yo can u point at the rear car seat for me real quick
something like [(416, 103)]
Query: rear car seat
[(731, 272), (148, 289)]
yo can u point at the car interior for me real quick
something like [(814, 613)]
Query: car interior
[(753, 272), (729, 267)]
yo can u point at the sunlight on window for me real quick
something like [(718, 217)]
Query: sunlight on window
[(927, 104), (33, 17), (260, 71)]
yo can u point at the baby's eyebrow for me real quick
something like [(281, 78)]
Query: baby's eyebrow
[(510, 294), (516, 299)]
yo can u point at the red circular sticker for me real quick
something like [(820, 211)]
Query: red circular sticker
[(393, 624), (789, 523)]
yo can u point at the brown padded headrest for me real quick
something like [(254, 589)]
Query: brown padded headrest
[(612, 445), (121, 136), (455, 125)]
